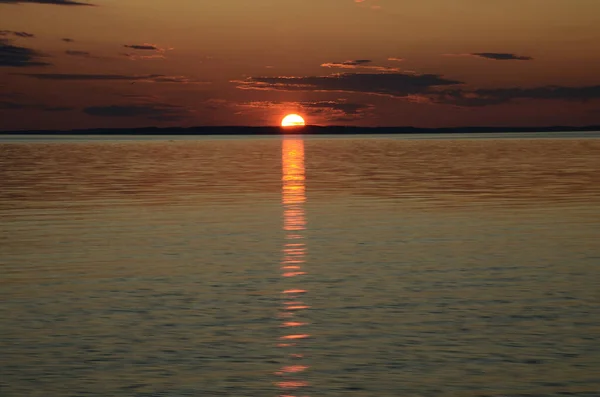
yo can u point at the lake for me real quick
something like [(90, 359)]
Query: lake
[(442, 266)]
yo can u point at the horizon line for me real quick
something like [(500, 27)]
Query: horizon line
[(306, 128)]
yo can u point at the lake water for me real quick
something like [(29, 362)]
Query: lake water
[(289, 266)]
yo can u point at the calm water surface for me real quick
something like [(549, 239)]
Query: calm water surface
[(300, 267)]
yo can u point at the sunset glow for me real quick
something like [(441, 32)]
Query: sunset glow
[(362, 63)]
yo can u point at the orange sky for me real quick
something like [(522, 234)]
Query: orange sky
[(429, 63)]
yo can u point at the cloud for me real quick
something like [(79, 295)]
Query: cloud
[(346, 108), (419, 88), (148, 47), (11, 105), (341, 105), (17, 56), (154, 111), (9, 94), (339, 110), (151, 78), (496, 56), (135, 57), (159, 52), (348, 64), (389, 84), (216, 104), (83, 54), (396, 59), (55, 2), (17, 34), (496, 96), (56, 108), (171, 79), (358, 64), (67, 40), (8, 105), (80, 77)]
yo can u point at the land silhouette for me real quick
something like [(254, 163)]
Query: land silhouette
[(304, 130)]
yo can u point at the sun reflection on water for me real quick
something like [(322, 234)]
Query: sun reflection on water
[(293, 194)]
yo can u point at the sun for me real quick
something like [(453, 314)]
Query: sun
[(292, 120)]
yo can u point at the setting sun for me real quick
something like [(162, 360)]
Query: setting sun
[(292, 120)]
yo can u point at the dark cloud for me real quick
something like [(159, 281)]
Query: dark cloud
[(151, 78), (499, 56), (56, 108), (76, 53), (158, 52), (10, 94), (496, 56), (80, 77), (121, 111), (154, 111), (390, 84), (496, 96), (17, 34), (462, 98), (148, 47), (55, 2), (67, 40), (10, 105), (17, 56)]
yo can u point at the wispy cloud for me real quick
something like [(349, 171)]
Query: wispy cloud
[(359, 64), (15, 105), (496, 96), (16, 34), (83, 54), (54, 2), (153, 111), (136, 57), (347, 108), (151, 78), (17, 56), (396, 59), (67, 40), (348, 64), (147, 47), (159, 52), (81, 77), (496, 56), (338, 110), (388, 84)]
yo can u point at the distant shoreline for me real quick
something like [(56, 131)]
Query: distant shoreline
[(307, 130)]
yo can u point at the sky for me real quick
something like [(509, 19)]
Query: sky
[(69, 64)]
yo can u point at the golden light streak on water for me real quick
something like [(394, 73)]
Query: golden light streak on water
[(293, 197)]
